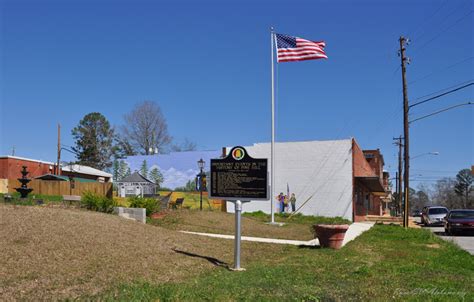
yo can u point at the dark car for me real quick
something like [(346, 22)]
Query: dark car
[(434, 215), (416, 213), (458, 221)]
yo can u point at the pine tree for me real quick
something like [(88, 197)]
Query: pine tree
[(144, 169), (116, 171), (128, 172), (156, 176), (93, 141)]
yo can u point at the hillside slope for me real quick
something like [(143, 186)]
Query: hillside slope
[(53, 253)]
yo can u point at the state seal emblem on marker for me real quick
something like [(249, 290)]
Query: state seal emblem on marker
[(238, 153)]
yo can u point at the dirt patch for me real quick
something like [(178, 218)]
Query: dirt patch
[(52, 253), (433, 246)]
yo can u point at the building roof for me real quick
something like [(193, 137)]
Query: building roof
[(63, 178), (52, 177), (75, 168), (135, 177), (27, 159)]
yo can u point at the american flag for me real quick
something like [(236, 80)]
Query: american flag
[(297, 49)]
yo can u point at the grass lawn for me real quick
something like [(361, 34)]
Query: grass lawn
[(55, 253), (385, 263), (255, 224), (32, 198)]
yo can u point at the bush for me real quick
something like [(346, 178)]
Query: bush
[(150, 204), (99, 203)]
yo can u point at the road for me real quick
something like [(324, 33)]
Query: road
[(466, 242)]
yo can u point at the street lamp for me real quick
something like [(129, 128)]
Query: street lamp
[(201, 164)]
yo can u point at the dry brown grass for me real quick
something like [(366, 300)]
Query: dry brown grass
[(224, 223), (52, 253)]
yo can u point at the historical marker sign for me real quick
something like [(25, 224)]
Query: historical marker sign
[(239, 177)]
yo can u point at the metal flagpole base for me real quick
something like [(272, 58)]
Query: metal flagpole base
[(276, 223), (240, 269)]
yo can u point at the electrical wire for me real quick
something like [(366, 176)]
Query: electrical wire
[(440, 95), (443, 20), (429, 18), (440, 70), (440, 111), (442, 90), (441, 32)]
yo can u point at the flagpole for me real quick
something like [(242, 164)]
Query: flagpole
[(272, 161)]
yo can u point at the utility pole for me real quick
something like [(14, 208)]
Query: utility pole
[(399, 173), (58, 169), (403, 42)]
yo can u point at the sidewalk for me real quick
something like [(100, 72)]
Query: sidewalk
[(353, 232)]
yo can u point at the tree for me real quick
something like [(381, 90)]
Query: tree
[(187, 145), (119, 170), (463, 186), (144, 169), (128, 172), (145, 128), (115, 170), (156, 176), (93, 141), (189, 187), (122, 148), (444, 193)]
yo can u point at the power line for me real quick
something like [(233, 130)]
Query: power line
[(442, 31), (427, 19), (440, 70), (440, 95), (442, 110), (442, 90)]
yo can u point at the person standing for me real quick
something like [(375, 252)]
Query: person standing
[(281, 200), (293, 202)]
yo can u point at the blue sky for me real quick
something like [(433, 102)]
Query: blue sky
[(207, 64)]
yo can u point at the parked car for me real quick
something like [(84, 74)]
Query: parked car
[(416, 213), (434, 215), (458, 221)]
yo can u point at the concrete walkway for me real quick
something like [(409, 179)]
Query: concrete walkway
[(354, 230)]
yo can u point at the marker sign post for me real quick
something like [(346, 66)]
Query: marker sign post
[(239, 178)]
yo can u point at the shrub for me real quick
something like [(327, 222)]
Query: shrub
[(150, 204), (95, 202)]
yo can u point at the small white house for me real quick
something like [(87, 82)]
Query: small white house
[(135, 185)]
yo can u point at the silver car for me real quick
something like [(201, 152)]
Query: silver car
[(434, 215)]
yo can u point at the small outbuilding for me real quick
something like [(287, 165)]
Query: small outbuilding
[(135, 185)]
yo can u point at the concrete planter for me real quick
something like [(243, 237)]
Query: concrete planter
[(330, 235)]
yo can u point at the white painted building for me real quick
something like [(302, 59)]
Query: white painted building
[(135, 185), (320, 173)]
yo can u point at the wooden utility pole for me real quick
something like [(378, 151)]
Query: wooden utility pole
[(58, 168), (403, 41), (399, 173)]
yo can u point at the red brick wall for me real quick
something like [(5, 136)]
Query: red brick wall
[(376, 162), (361, 166), (10, 168)]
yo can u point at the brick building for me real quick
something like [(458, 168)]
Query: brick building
[(10, 167), (329, 178)]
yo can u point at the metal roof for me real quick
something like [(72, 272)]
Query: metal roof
[(135, 177), (75, 168)]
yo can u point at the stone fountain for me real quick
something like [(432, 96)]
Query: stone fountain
[(24, 190)]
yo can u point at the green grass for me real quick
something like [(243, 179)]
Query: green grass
[(384, 263), (31, 198), (297, 218)]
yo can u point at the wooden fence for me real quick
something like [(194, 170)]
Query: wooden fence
[(57, 187)]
